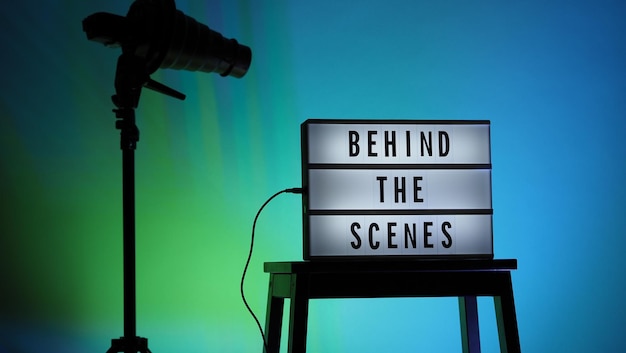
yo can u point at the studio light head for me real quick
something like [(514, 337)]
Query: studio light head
[(161, 36)]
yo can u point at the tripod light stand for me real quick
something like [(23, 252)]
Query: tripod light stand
[(153, 35)]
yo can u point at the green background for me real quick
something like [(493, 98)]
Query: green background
[(549, 75)]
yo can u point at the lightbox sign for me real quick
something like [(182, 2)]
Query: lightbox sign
[(397, 188)]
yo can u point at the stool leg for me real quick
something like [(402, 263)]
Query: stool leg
[(470, 333), (299, 312), (506, 318), (274, 319)]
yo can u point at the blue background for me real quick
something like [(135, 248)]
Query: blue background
[(550, 76)]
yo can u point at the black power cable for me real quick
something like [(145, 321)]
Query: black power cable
[(245, 269)]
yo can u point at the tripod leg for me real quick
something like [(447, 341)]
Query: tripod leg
[(129, 345), (142, 345)]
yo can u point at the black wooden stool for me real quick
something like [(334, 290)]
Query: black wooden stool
[(465, 279)]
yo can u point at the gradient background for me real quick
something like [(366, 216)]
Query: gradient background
[(550, 75)]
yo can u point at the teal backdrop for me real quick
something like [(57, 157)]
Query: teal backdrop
[(549, 75)]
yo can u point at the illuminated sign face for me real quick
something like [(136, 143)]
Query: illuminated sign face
[(396, 188)]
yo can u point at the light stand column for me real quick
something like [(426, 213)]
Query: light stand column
[(130, 77)]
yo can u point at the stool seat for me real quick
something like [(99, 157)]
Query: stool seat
[(300, 281)]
